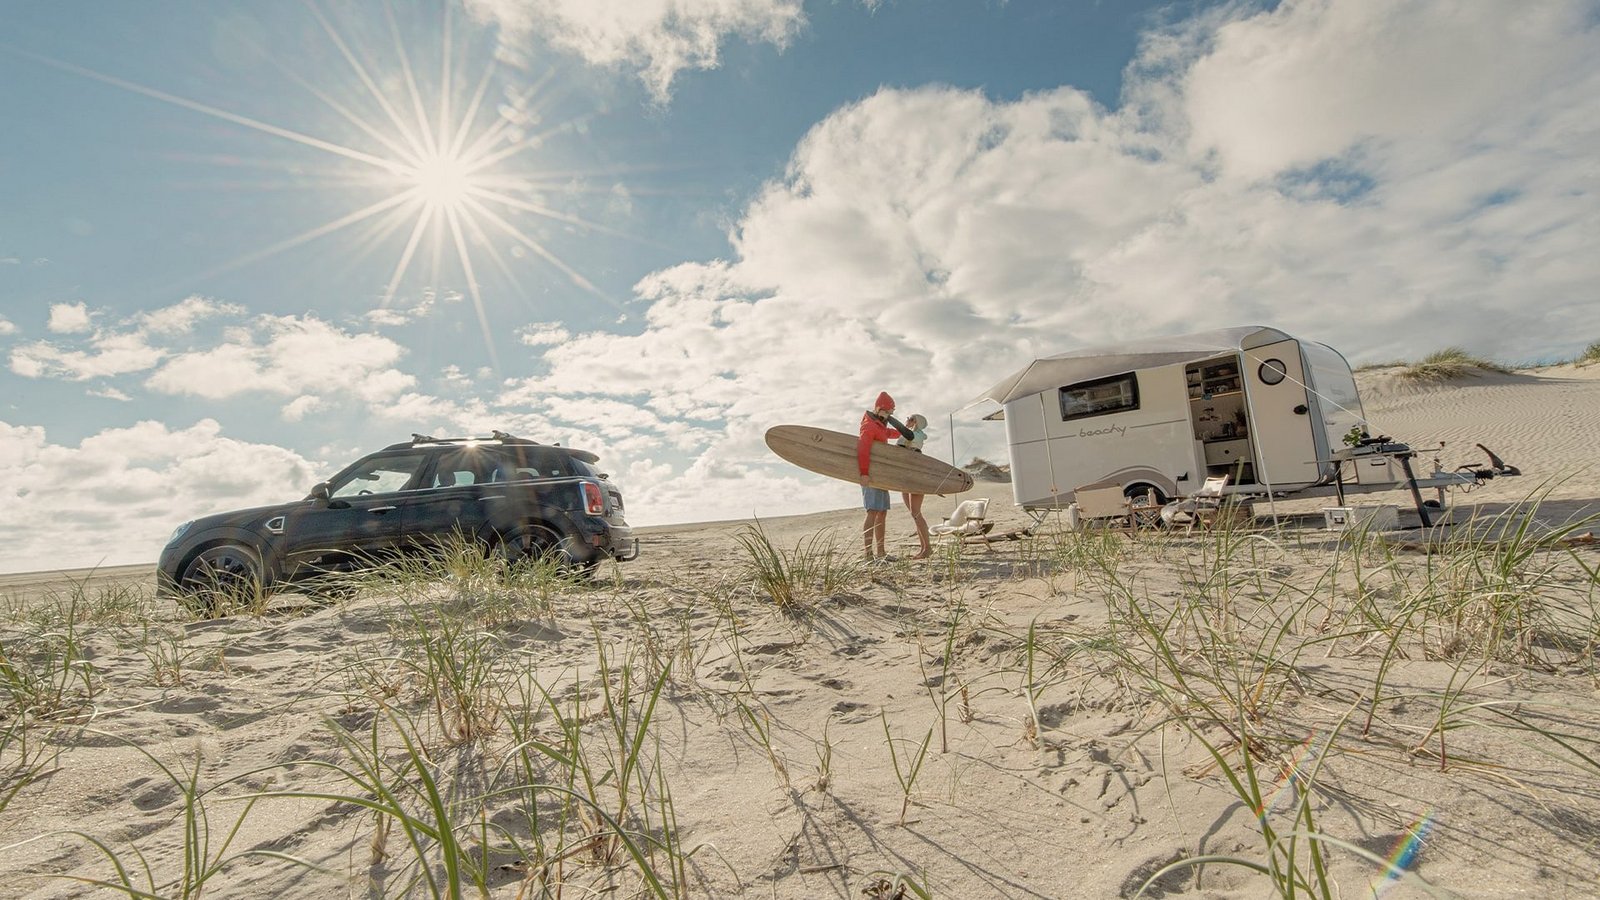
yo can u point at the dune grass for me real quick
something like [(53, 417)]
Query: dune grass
[(817, 566), (1450, 363), (463, 763)]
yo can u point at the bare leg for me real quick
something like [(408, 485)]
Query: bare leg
[(913, 503), (879, 531), (866, 535)]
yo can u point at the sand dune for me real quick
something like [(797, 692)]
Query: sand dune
[(1052, 717)]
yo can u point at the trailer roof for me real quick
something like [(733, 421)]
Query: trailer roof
[(1089, 363)]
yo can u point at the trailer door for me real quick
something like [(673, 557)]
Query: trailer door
[(1280, 415)]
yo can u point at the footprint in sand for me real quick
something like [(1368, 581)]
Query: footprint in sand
[(851, 713)]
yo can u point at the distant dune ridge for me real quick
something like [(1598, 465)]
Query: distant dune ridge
[(752, 712)]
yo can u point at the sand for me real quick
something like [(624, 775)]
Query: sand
[(1063, 758)]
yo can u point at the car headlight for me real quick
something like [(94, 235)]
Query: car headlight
[(178, 532)]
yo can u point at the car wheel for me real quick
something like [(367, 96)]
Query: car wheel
[(538, 542), (220, 578)]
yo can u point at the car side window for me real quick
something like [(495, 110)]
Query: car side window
[(378, 475), (511, 467), (461, 469), (546, 463)]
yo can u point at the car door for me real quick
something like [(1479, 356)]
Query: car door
[(362, 518), (453, 500)]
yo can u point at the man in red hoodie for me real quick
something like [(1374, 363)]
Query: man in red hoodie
[(876, 425)]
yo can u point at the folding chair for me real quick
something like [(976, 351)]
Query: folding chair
[(1207, 502), (966, 519), (1105, 504)]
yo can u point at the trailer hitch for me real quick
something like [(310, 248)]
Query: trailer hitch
[(1497, 466)]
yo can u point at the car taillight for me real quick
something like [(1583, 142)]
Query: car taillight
[(594, 502)]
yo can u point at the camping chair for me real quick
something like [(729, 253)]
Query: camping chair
[(966, 520), (1207, 502), (1105, 503)]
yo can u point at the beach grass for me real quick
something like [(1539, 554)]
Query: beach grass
[(1450, 363), (482, 727)]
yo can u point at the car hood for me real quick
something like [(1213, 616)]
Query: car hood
[(244, 518)]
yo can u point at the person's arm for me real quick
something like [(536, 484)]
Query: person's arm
[(864, 447), (904, 431)]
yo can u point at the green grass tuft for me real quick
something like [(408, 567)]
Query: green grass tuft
[(1450, 363)]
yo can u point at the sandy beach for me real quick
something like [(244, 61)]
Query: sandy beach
[(1063, 715)]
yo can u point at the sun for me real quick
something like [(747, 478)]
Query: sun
[(451, 170), (442, 181)]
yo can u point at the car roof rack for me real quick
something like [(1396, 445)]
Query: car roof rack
[(501, 436)]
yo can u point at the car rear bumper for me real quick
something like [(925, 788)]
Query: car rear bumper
[(615, 541)]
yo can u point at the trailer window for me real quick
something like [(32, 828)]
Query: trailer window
[(1118, 393)]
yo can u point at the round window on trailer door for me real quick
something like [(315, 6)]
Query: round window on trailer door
[(1272, 371)]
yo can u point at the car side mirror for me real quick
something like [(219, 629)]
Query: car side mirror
[(319, 491)]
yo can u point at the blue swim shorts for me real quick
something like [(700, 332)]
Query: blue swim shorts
[(875, 499)]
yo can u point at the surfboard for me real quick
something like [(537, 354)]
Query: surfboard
[(893, 468)]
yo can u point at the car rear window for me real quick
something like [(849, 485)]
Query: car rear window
[(522, 463)]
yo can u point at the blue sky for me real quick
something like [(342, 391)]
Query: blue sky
[(704, 217)]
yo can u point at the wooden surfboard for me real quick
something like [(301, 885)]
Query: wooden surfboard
[(893, 468)]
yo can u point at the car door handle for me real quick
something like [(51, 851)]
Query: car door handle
[(493, 497), (380, 510)]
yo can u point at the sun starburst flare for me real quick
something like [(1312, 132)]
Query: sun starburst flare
[(452, 177)]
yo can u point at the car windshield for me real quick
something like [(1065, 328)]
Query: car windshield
[(378, 475)]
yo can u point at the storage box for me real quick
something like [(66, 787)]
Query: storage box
[(1382, 517)]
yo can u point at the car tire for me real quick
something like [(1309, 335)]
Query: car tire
[(539, 542), (218, 577)]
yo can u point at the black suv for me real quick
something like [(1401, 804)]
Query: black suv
[(518, 497)]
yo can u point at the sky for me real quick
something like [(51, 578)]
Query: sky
[(243, 244)]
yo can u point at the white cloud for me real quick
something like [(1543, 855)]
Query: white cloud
[(392, 317), (540, 334), (111, 351), (180, 318), (1292, 167), (7, 327), (109, 354), (297, 409), (109, 393), (114, 498), (69, 318), (1312, 80), (656, 39), (289, 356)]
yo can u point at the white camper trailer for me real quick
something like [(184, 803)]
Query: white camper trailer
[(1254, 403)]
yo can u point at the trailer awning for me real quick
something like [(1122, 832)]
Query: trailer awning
[(1089, 363)]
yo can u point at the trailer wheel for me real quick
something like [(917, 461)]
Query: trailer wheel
[(1138, 491)]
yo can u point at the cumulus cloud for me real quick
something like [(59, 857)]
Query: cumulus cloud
[(108, 354), (114, 498), (69, 318), (312, 363), (1389, 179), (180, 318), (7, 327), (289, 356), (112, 350), (656, 39)]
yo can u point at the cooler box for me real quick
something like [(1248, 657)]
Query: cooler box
[(1382, 517)]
